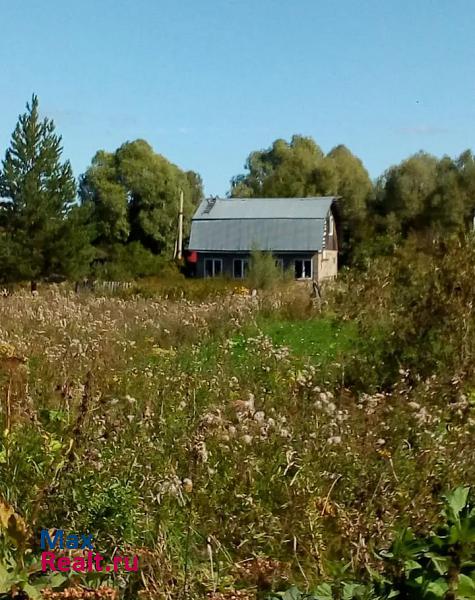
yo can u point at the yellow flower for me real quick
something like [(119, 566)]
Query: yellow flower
[(241, 291), (7, 350)]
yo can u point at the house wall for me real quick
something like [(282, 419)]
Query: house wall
[(228, 258), (325, 265), (331, 234)]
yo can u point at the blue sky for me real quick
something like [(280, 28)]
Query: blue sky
[(208, 81)]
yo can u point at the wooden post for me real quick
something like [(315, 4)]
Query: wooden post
[(180, 228)]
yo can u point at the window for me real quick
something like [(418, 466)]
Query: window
[(240, 268), (330, 225), (303, 269), (279, 263), (213, 267)]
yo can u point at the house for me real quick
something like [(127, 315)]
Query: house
[(301, 233)]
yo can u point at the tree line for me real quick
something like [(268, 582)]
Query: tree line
[(119, 219), (423, 194)]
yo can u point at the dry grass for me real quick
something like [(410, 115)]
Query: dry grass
[(138, 420)]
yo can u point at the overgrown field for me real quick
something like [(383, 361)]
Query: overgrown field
[(228, 443)]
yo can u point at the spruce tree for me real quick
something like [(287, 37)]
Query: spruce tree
[(41, 229)]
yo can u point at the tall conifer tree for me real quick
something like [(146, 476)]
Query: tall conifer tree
[(41, 228)]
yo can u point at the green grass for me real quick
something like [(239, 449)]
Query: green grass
[(320, 339)]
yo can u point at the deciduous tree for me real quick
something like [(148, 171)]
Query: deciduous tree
[(301, 169), (133, 194)]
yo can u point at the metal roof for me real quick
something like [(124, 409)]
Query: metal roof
[(264, 208), (277, 224)]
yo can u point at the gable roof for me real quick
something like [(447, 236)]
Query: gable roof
[(277, 224)]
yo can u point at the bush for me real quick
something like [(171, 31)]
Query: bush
[(264, 273), (414, 312), (439, 566), (126, 262)]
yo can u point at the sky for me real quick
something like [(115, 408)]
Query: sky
[(206, 82)]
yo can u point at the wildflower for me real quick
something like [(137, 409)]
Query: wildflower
[(201, 451), (259, 416), (334, 440), (247, 439), (170, 486), (187, 485)]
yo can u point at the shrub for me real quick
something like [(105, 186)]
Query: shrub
[(414, 312), (176, 286), (436, 567), (264, 273), (125, 262)]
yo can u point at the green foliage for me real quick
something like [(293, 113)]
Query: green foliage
[(263, 273), (134, 196), (316, 339), (100, 187), (424, 192), (355, 188), (325, 591), (130, 196), (438, 567), (413, 310), (108, 508), (125, 262), (42, 232), (300, 169), (19, 569), (295, 169), (29, 580)]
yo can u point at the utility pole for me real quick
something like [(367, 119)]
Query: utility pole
[(180, 228)]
